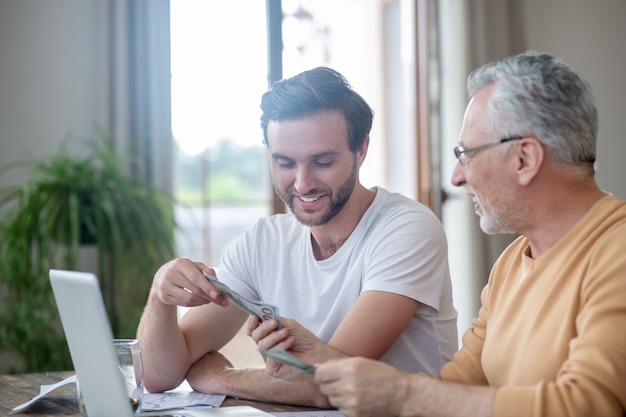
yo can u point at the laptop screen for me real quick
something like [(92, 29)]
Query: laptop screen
[(89, 338)]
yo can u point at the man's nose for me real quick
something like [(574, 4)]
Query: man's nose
[(305, 181), (458, 175)]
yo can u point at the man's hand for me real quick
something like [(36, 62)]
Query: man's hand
[(172, 345), (292, 337), (367, 388), (363, 387), (181, 282)]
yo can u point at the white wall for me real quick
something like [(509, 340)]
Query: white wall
[(591, 37), (47, 76)]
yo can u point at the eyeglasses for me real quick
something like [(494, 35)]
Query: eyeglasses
[(461, 153)]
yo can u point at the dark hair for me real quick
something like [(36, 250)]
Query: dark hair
[(314, 91)]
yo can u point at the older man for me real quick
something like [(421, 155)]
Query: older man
[(550, 339)]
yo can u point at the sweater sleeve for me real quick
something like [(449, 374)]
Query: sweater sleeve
[(466, 364)]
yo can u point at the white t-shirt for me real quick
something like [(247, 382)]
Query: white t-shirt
[(398, 246)]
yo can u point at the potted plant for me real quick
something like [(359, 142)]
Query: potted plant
[(76, 200)]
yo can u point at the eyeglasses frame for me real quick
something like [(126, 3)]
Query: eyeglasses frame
[(462, 153)]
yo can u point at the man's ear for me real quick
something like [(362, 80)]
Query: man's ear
[(362, 151), (530, 157)]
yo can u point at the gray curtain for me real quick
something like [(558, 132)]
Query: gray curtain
[(495, 30), (134, 94)]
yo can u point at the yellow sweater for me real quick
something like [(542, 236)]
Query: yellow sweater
[(551, 332)]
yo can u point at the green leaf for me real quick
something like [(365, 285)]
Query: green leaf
[(75, 199)]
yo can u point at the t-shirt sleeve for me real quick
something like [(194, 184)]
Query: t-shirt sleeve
[(408, 256), (237, 266)]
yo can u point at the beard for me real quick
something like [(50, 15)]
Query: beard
[(507, 219), (492, 225), (337, 202)]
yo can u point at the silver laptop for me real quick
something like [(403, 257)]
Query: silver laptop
[(89, 338)]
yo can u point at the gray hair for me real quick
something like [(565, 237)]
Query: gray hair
[(537, 94)]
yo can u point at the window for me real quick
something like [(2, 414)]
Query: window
[(344, 35), (219, 72), (219, 63)]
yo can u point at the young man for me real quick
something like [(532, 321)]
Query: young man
[(550, 339), (364, 269)]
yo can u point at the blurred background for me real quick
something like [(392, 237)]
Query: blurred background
[(176, 86)]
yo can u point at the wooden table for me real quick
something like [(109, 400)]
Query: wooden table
[(17, 389)]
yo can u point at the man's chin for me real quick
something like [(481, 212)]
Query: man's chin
[(486, 225), (491, 227), (307, 219)]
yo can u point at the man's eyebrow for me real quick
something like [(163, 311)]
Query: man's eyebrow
[(323, 154), (276, 155)]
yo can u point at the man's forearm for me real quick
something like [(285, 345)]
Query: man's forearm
[(436, 398), (256, 384), (163, 347)]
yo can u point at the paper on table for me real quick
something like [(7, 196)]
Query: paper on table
[(43, 391), (181, 397), (325, 413)]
